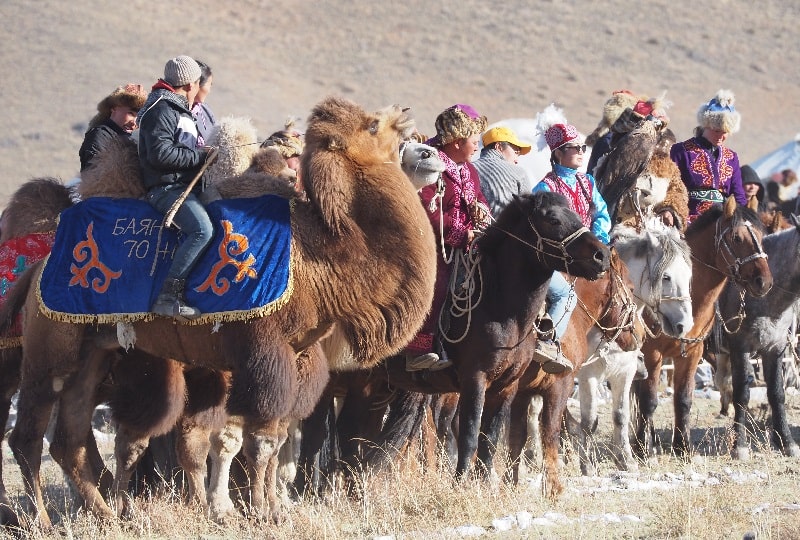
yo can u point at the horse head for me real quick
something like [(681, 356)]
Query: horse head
[(562, 242), (620, 322), (659, 262), (738, 242)]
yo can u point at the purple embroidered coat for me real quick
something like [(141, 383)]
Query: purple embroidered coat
[(456, 221), (708, 179)]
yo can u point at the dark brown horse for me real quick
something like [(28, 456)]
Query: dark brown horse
[(606, 313), (491, 346), (725, 244)]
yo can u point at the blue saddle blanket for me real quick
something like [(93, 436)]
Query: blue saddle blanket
[(111, 256)]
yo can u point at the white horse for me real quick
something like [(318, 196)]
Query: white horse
[(659, 265)]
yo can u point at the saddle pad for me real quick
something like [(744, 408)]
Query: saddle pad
[(111, 256), (16, 256)]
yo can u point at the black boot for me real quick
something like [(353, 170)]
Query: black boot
[(171, 303)]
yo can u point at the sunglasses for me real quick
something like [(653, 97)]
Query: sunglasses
[(581, 148)]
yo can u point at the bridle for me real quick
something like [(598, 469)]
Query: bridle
[(560, 247), (728, 255)]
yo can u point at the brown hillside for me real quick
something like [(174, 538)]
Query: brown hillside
[(510, 59)]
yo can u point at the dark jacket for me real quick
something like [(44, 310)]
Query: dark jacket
[(167, 143), (97, 138)]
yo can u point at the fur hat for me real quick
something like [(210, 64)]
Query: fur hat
[(613, 108), (719, 113), (181, 70), (131, 95), (288, 141), (558, 135), (457, 122)]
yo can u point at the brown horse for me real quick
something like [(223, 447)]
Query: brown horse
[(360, 206), (725, 244), (606, 313), (491, 345)]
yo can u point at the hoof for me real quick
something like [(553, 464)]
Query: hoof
[(741, 453), (793, 451)]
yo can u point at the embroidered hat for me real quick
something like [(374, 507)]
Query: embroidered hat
[(181, 70), (504, 134), (719, 113), (131, 95), (558, 135), (457, 122)]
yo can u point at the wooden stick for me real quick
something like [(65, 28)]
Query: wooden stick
[(170, 215)]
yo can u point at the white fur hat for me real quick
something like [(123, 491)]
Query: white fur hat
[(719, 113)]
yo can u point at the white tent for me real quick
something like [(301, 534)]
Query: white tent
[(785, 157)]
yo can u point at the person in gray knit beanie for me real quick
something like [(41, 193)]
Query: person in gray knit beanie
[(181, 70), (500, 176)]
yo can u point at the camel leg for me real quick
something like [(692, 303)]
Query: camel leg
[(33, 416), (685, 369), (193, 446), (69, 447), (129, 447), (773, 376), (620, 383), (225, 444), (471, 408), (10, 363), (261, 447)]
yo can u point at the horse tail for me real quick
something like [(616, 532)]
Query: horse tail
[(406, 414), (15, 299)]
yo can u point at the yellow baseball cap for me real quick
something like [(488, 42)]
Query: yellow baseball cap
[(504, 134)]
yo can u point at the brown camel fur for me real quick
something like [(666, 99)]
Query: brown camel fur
[(362, 219)]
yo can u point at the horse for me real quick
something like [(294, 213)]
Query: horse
[(491, 344), (350, 172), (606, 314), (659, 264), (726, 244), (764, 326)]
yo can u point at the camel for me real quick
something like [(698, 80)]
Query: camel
[(362, 218)]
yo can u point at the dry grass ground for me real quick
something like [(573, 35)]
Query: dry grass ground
[(708, 498)]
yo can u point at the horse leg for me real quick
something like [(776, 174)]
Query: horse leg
[(645, 393), (588, 384), (495, 416), (225, 444), (620, 381), (471, 407), (722, 380), (517, 434), (555, 402), (533, 442), (69, 447), (10, 363), (740, 397), (261, 447), (685, 369), (773, 376), (445, 408), (318, 430)]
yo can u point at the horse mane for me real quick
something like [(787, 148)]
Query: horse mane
[(741, 214), (510, 215), (35, 207)]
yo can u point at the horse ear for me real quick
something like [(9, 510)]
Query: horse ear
[(752, 203), (795, 220), (730, 207)]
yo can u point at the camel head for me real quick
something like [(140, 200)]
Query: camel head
[(348, 152), (421, 163)]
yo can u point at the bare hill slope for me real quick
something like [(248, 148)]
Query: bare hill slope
[(273, 60)]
